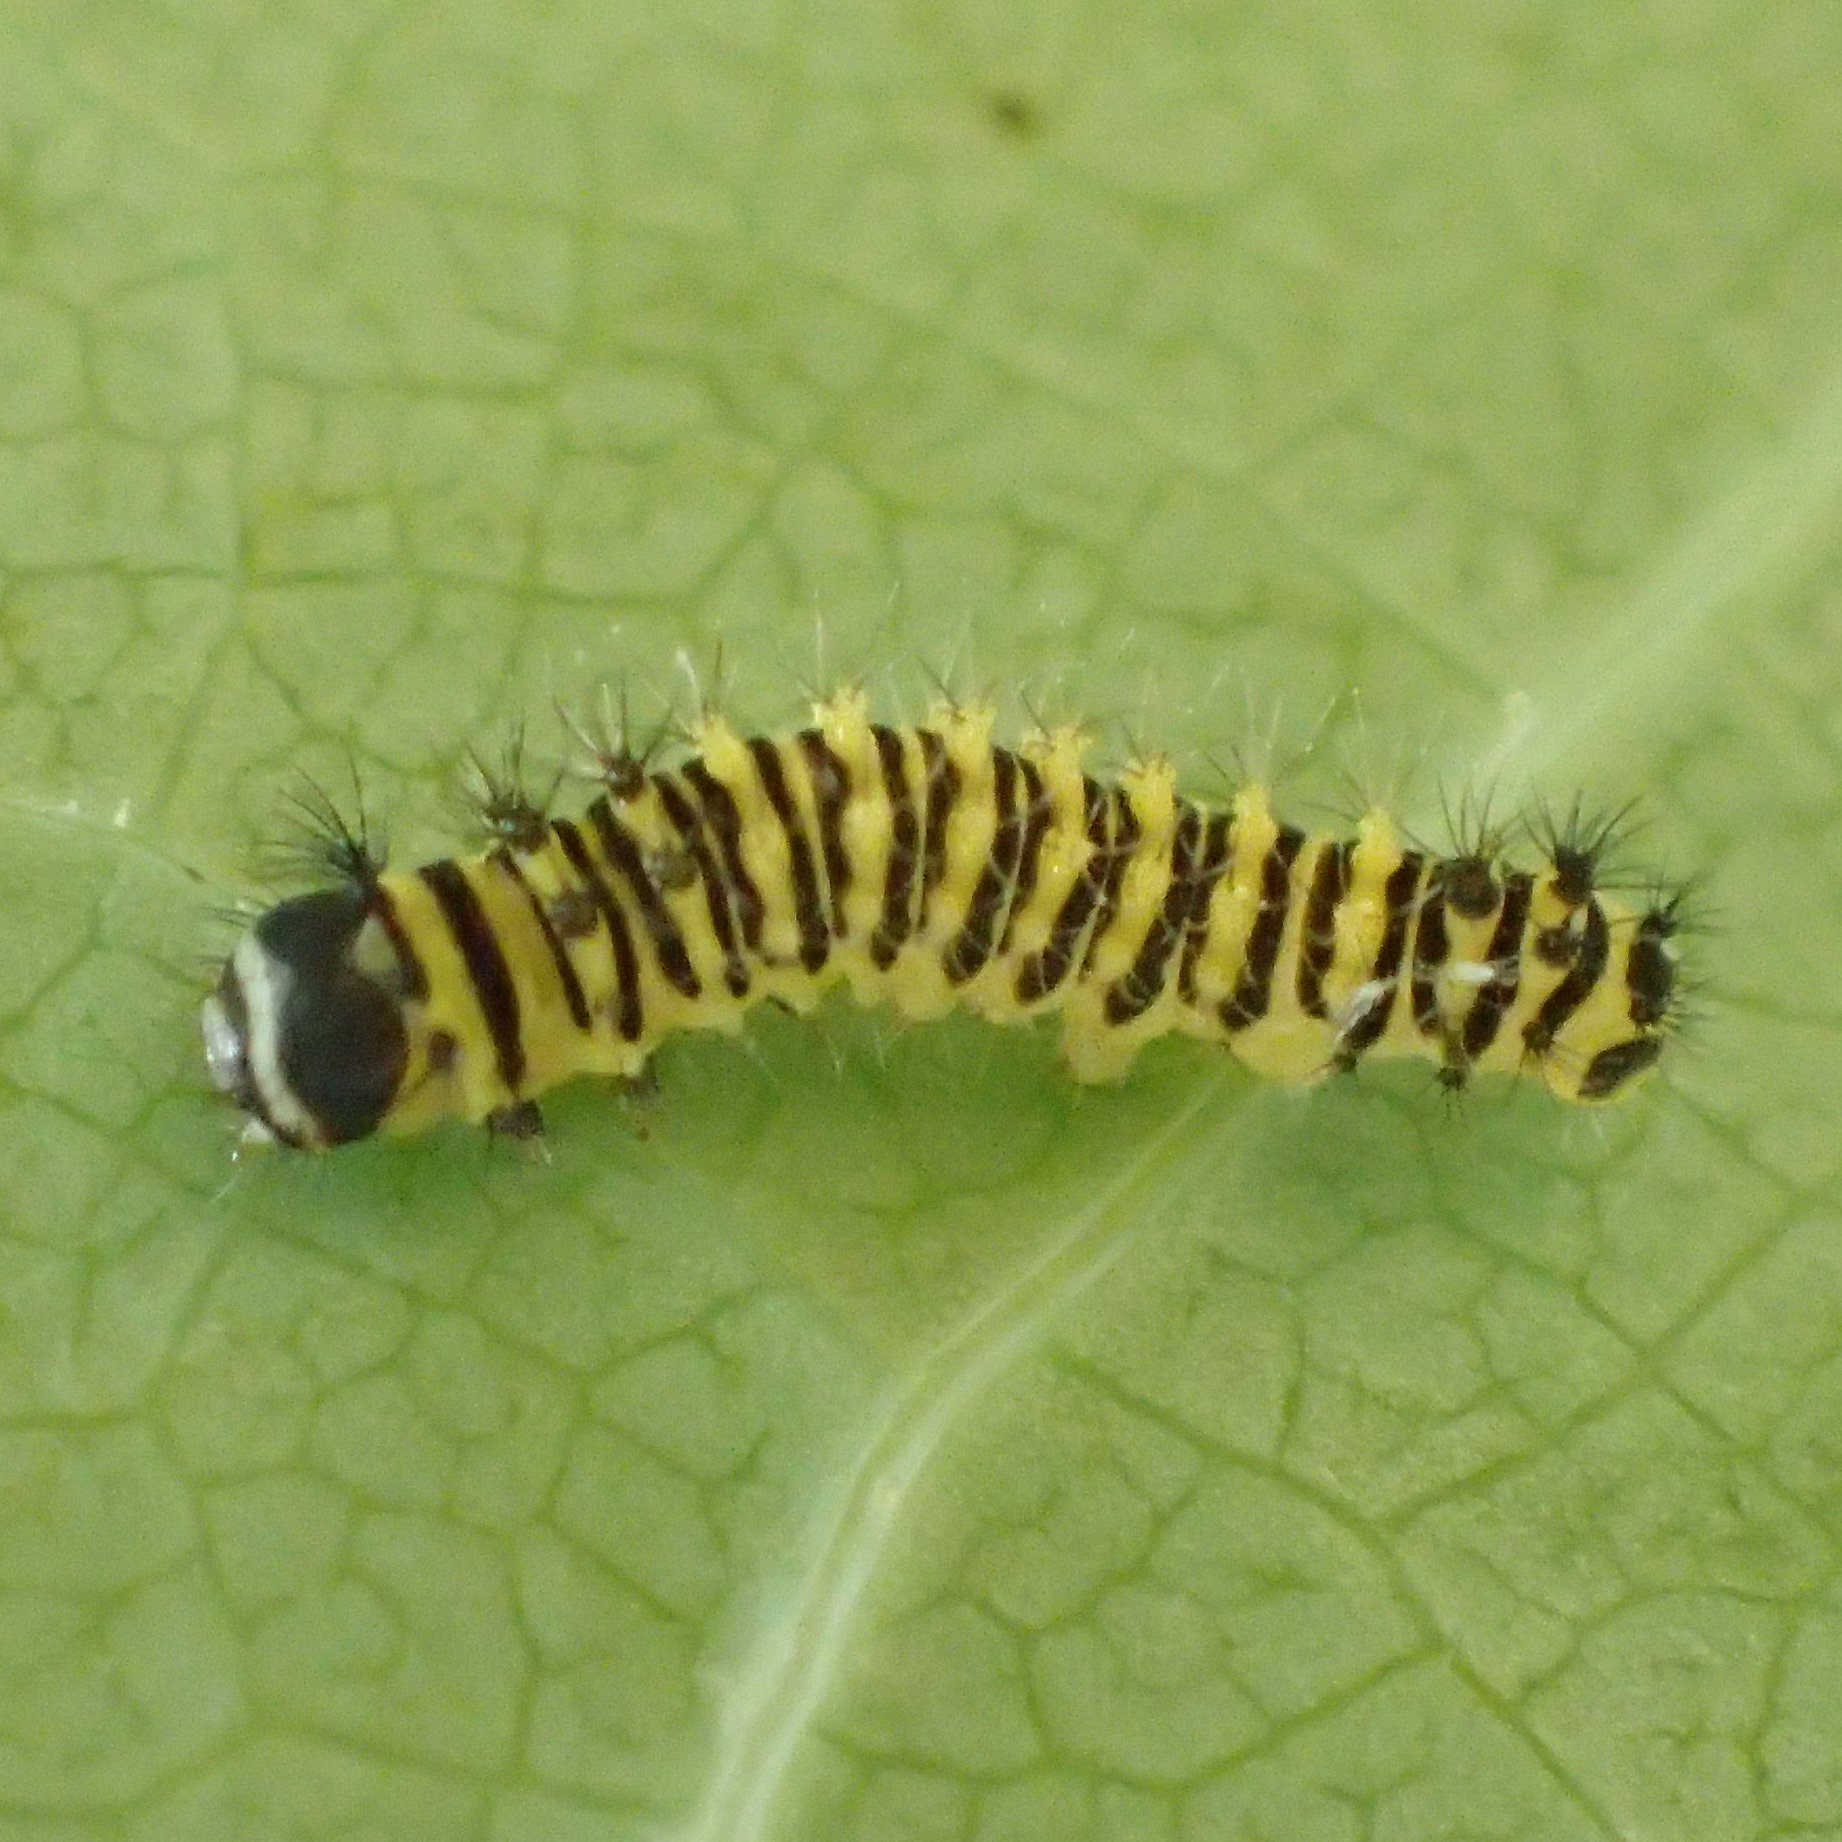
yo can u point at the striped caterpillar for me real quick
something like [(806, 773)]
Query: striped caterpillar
[(923, 866)]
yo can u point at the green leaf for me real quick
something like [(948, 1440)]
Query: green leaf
[(896, 1443)]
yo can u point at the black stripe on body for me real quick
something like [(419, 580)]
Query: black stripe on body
[(629, 1013), (1431, 947), (967, 953), (1498, 992), (1650, 972), (1217, 854), (487, 971), (725, 818), (831, 790), (622, 850), (412, 976), (1253, 990), (503, 860), (683, 814), (897, 922), (814, 940), (1384, 976), (1038, 815), (1133, 994), (1588, 968), (943, 789), (1317, 946), (1042, 972), (1126, 833), (1611, 1068)]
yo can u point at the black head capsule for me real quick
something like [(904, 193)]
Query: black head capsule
[(299, 1036)]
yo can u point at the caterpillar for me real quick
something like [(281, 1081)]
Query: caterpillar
[(923, 866)]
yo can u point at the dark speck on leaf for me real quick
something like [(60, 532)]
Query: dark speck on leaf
[(1015, 113)]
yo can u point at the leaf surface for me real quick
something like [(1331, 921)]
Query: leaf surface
[(894, 1443)]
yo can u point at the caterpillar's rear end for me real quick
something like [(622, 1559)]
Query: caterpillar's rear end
[(925, 866)]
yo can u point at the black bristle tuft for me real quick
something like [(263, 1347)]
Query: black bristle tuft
[(1581, 844), (319, 843), (501, 800)]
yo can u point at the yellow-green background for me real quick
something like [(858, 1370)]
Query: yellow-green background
[(895, 1443)]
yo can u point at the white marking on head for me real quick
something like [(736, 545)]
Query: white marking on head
[(264, 980), (223, 1049)]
